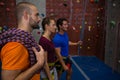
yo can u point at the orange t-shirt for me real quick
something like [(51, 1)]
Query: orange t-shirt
[(15, 56)]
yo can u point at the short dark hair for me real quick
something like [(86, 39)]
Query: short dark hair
[(60, 22), (45, 21)]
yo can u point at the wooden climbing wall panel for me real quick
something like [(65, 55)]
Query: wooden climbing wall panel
[(86, 22)]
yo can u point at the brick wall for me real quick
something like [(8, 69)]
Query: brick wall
[(7, 15)]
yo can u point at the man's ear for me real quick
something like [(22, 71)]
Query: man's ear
[(46, 26), (60, 25), (25, 15)]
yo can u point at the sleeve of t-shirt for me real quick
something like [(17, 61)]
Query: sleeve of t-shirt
[(43, 44), (14, 56), (57, 43)]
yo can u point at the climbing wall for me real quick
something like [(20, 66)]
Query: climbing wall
[(7, 15), (112, 46), (86, 22)]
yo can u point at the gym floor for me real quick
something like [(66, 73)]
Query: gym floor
[(91, 68)]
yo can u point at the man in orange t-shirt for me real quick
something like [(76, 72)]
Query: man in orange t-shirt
[(21, 59), (14, 56)]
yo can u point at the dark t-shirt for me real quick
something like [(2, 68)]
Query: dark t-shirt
[(49, 47)]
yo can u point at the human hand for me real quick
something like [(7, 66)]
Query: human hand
[(79, 42), (65, 68), (40, 56)]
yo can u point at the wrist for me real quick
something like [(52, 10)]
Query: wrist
[(40, 64), (76, 44)]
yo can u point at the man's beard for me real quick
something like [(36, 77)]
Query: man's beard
[(64, 29), (34, 24)]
